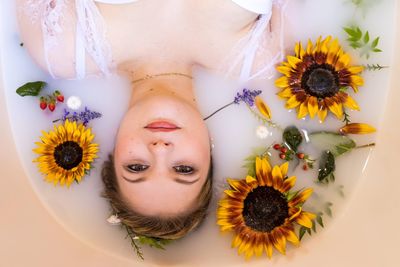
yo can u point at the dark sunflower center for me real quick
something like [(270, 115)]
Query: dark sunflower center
[(320, 81), (68, 155), (264, 209)]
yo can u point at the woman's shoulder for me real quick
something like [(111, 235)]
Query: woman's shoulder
[(47, 33)]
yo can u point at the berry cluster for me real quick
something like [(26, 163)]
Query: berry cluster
[(50, 101), (288, 154)]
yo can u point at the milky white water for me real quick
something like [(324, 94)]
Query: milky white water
[(80, 208)]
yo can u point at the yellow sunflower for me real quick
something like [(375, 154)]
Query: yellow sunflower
[(316, 79), (66, 153), (261, 211)]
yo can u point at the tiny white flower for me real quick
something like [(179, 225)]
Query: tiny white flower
[(262, 132), (114, 220), (74, 102), (135, 237)]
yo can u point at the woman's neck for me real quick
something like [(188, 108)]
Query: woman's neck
[(178, 81)]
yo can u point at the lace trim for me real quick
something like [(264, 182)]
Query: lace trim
[(49, 13), (260, 49), (92, 27)]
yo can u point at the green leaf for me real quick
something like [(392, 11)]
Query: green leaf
[(302, 232), (366, 37), (375, 42), (31, 88), (319, 221), (326, 167), (349, 31), (154, 242), (292, 137), (313, 227), (336, 143), (376, 50)]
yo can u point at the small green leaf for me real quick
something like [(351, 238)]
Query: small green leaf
[(376, 50), (366, 37), (319, 221), (31, 88), (326, 166), (375, 42), (313, 227), (302, 232), (336, 143), (292, 137)]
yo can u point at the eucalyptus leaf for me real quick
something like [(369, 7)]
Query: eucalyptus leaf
[(31, 88), (326, 166), (292, 137), (336, 143)]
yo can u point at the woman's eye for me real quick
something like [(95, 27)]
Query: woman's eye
[(138, 167), (183, 169)]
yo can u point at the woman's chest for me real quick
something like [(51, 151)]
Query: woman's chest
[(195, 31)]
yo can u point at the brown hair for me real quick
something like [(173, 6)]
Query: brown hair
[(165, 228)]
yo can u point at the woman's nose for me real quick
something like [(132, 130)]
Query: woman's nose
[(160, 145)]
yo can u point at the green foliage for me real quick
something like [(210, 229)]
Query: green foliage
[(362, 41), (154, 242), (292, 137), (31, 88), (327, 167), (336, 143), (374, 67)]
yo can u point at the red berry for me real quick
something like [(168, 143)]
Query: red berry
[(60, 98), (277, 146), (305, 167), (282, 156), (300, 155), (284, 149), (52, 107), (43, 105)]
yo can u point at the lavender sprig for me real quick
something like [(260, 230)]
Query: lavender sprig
[(84, 116), (247, 96)]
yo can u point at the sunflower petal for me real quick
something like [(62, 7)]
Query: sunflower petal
[(312, 106), (286, 93), (279, 241), (351, 103), (305, 219), (285, 70), (303, 110), (301, 197), (293, 61), (292, 102), (284, 168), (282, 82), (357, 128), (322, 112), (263, 108), (288, 183)]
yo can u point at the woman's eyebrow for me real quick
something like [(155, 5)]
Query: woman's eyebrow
[(138, 180), (185, 182)]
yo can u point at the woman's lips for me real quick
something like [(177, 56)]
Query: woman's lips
[(161, 126)]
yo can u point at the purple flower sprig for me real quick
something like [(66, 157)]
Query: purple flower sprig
[(247, 96), (84, 116)]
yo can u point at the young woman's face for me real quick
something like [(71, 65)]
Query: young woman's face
[(162, 155)]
